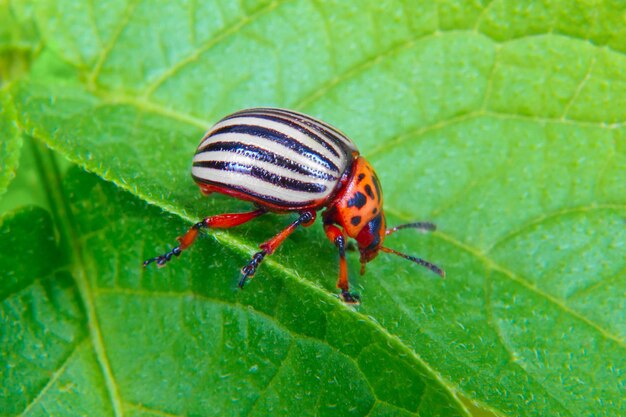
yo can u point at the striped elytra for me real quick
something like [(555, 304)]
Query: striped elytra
[(284, 161), (274, 156)]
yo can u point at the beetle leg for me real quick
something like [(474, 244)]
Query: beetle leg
[(221, 221), (267, 248), (338, 237)]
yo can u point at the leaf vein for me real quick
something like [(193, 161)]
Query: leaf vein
[(401, 138), (272, 379), (291, 332), (55, 376), (50, 173), (225, 33), (514, 359), (549, 216), (95, 73), (579, 88), (483, 14), (370, 61), (141, 407), (528, 285), (619, 275)]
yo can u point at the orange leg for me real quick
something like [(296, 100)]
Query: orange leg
[(338, 237), (221, 221), (267, 248)]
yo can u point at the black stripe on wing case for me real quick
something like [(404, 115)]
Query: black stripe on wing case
[(280, 138), (264, 175), (287, 120), (263, 155), (319, 126)]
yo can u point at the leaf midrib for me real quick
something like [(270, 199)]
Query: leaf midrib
[(63, 219)]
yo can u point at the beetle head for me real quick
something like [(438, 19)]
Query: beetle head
[(359, 210), (370, 239)]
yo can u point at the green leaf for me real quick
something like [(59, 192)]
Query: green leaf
[(80, 337), (18, 39), (505, 124), (25, 189), (10, 141), (17, 30), (48, 366)]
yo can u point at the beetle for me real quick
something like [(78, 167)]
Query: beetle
[(284, 161)]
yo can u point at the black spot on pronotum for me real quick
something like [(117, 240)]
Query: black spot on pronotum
[(369, 191), (358, 200), (360, 178), (375, 210), (355, 220)]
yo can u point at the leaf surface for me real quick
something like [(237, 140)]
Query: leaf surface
[(18, 39), (80, 336), (10, 141), (504, 124), (47, 364)]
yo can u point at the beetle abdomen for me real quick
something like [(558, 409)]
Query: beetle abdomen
[(274, 156)]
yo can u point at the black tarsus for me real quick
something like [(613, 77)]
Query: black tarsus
[(166, 257), (350, 298), (161, 260), (249, 270)]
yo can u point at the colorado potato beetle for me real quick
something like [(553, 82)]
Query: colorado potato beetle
[(284, 161)]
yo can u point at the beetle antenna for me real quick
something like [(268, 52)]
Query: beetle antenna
[(418, 261), (421, 226)]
